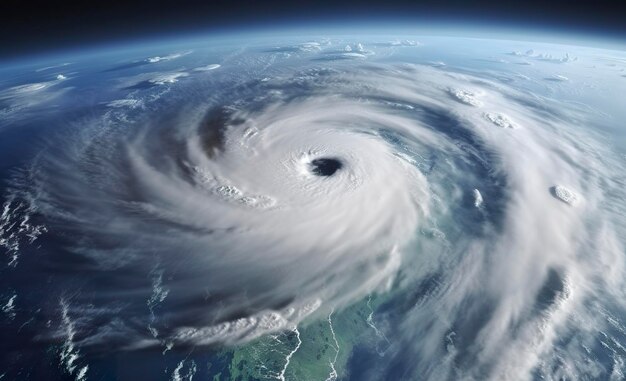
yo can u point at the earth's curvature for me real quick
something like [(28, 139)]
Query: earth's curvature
[(315, 208)]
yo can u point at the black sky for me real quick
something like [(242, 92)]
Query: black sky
[(29, 27)]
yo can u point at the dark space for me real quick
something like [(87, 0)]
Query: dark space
[(35, 27)]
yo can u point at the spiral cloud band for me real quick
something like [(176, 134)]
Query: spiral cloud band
[(268, 207), (485, 212)]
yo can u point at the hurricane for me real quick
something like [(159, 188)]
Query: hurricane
[(479, 222)]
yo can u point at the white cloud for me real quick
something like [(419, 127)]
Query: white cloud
[(208, 67), (169, 57)]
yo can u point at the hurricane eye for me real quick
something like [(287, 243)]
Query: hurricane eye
[(325, 166)]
